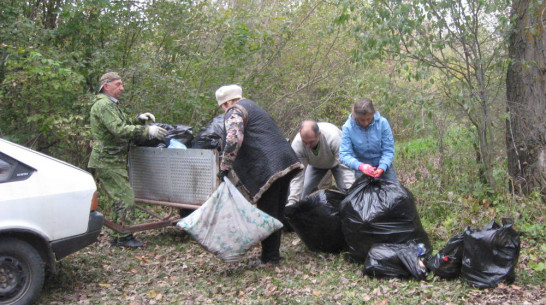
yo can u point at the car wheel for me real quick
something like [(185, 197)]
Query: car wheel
[(21, 272)]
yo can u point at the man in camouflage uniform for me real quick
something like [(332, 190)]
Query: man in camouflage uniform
[(112, 132)]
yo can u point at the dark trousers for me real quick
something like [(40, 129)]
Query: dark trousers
[(272, 202)]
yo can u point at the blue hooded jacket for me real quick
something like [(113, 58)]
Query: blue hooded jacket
[(373, 145)]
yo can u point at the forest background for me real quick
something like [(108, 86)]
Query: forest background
[(461, 83)]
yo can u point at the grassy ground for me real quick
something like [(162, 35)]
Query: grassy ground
[(173, 269)]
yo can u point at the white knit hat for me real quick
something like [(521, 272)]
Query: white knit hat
[(228, 93)]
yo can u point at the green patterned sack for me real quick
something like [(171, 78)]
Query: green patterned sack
[(228, 225)]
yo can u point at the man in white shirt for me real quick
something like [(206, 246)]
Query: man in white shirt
[(317, 147)]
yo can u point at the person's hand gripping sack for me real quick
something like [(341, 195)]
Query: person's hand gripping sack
[(367, 169), (157, 132), (221, 174), (146, 117)]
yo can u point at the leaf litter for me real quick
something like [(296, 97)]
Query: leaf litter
[(173, 269)]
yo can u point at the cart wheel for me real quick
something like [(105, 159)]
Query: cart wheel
[(185, 212)]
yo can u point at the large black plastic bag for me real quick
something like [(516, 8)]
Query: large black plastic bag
[(182, 133), (447, 262), (379, 211), (396, 260), (316, 221), (490, 255), (211, 135)]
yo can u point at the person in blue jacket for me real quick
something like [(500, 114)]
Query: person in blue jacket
[(367, 144)]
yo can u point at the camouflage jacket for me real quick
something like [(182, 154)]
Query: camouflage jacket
[(112, 131), (235, 130)]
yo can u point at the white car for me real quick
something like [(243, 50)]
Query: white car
[(47, 211)]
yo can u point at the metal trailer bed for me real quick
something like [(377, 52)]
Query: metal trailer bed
[(174, 178)]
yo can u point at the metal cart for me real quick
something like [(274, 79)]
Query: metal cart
[(179, 179)]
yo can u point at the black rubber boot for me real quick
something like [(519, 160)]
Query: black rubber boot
[(129, 242)]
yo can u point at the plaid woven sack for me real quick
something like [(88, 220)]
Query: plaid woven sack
[(228, 225)]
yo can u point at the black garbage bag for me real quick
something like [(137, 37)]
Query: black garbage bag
[(447, 263), (316, 221), (396, 260), (182, 133), (379, 211), (490, 255), (211, 135)]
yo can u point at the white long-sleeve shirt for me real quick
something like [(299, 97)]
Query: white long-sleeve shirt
[(327, 157)]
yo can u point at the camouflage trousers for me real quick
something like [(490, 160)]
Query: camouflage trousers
[(117, 196)]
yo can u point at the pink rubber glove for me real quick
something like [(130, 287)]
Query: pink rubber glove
[(367, 169), (378, 173)]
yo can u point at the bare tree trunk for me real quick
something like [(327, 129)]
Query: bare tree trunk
[(526, 93), (50, 10)]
